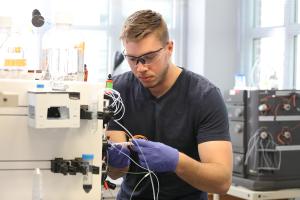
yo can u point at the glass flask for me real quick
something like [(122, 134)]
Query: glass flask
[(63, 51)]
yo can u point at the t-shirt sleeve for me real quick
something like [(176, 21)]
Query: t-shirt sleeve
[(213, 118)]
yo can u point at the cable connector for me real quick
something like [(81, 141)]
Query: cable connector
[(109, 185), (106, 115)]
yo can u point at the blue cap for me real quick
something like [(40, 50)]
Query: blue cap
[(87, 156), (40, 85)]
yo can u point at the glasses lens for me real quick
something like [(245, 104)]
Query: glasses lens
[(131, 60), (146, 59), (150, 58)]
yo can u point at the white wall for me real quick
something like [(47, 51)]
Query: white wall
[(212, 41)]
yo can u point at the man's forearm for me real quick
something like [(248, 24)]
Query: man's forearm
[(209, 177)]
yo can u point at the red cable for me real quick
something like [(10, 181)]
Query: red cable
[(105, 185)]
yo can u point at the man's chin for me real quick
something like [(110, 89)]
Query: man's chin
[(148, 85)]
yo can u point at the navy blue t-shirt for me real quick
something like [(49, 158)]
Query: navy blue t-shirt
[(191, 112)]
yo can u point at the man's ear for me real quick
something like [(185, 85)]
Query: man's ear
[(170, 47)]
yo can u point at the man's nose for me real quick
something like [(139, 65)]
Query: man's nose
[(140, 67)]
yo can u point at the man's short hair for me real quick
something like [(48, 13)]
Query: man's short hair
[(142, 23)]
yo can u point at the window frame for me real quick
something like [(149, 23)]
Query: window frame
[(248, 33)]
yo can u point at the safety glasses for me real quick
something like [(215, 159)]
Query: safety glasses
[(146, 59)]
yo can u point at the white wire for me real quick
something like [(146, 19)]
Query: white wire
[(138, 185), (129, 134), (264, 156), (117, 102), (279, 161), (255, 162), (254, 142), (119, 106), (274, 145), (251, 146), (268, 159), (267, 147), (131, 159), (138, 164), (136, 173), (149, 171)]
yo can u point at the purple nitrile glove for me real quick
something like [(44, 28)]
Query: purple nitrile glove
[(116, 157), (160, 157)]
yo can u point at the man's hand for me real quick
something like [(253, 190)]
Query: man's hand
[(158, 156), (116, 157)]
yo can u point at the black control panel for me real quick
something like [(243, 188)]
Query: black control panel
[(265, 134)]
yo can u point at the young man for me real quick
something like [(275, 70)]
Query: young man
[(181, 114)]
